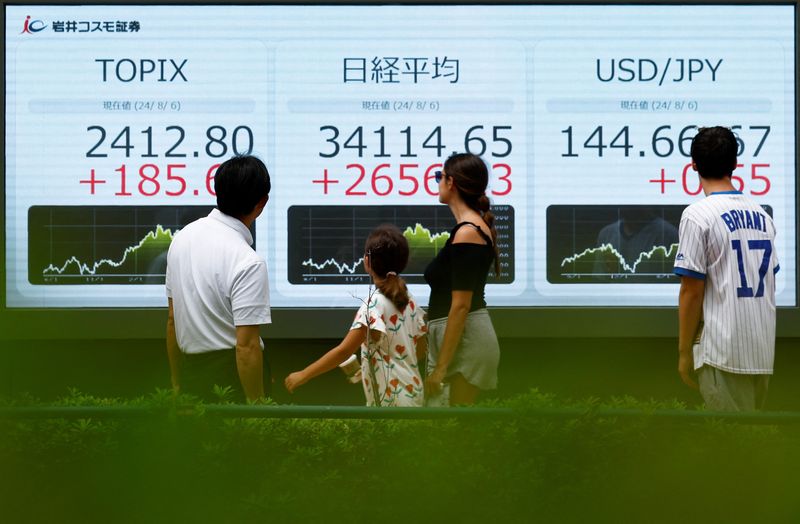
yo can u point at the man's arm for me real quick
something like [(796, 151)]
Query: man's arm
[(249, 361), (173, 351), (690, 311)]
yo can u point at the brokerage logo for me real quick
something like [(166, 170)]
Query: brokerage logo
[(32, 26)]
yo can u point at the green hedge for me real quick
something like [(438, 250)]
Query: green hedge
[(529, 468)]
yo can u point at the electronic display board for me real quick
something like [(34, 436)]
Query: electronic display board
[(117, 117)]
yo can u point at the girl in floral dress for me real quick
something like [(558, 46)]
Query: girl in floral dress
[(389, 328)]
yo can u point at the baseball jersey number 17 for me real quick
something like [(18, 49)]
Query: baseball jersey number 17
[(744, 290)]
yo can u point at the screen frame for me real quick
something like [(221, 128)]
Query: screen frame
[(510, 322)]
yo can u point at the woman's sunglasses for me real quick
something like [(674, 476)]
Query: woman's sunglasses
[(437, 175)]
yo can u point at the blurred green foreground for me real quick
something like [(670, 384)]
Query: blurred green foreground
[(193, 467)]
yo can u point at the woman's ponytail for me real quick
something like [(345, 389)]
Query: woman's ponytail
[(471, 177), (488, 217)]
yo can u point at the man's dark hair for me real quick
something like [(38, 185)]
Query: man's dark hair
[(714, 152), (240, 183)]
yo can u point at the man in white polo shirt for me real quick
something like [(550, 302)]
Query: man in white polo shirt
[(727, 263), (218, 291)]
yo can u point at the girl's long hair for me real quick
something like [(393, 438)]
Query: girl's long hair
[(387, 250)]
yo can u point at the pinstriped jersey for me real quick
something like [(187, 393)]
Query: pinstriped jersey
[(729, 241)]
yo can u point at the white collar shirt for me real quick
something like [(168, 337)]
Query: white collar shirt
[(216, 282)]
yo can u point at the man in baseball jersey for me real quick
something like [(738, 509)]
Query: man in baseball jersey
[(727, 263)]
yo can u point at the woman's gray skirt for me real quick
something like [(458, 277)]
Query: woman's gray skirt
[(478, 353)]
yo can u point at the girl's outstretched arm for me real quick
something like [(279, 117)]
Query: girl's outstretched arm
[(349, 344)]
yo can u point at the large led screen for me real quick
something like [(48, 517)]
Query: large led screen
[(117, 117)]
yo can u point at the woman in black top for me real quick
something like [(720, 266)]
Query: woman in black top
[(463, 348)]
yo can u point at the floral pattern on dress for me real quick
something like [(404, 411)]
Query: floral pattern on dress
[(389, 361)]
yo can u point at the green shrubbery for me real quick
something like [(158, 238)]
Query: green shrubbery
[(191, 467)]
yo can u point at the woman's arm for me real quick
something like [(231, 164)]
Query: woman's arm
[(422, 347), (328, 361), (460, 304), (456, 318)]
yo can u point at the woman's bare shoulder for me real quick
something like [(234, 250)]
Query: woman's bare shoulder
[(469, 234)]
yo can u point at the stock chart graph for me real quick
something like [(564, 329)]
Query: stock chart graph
[(103, 244), (326, 243), (612, 244)]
